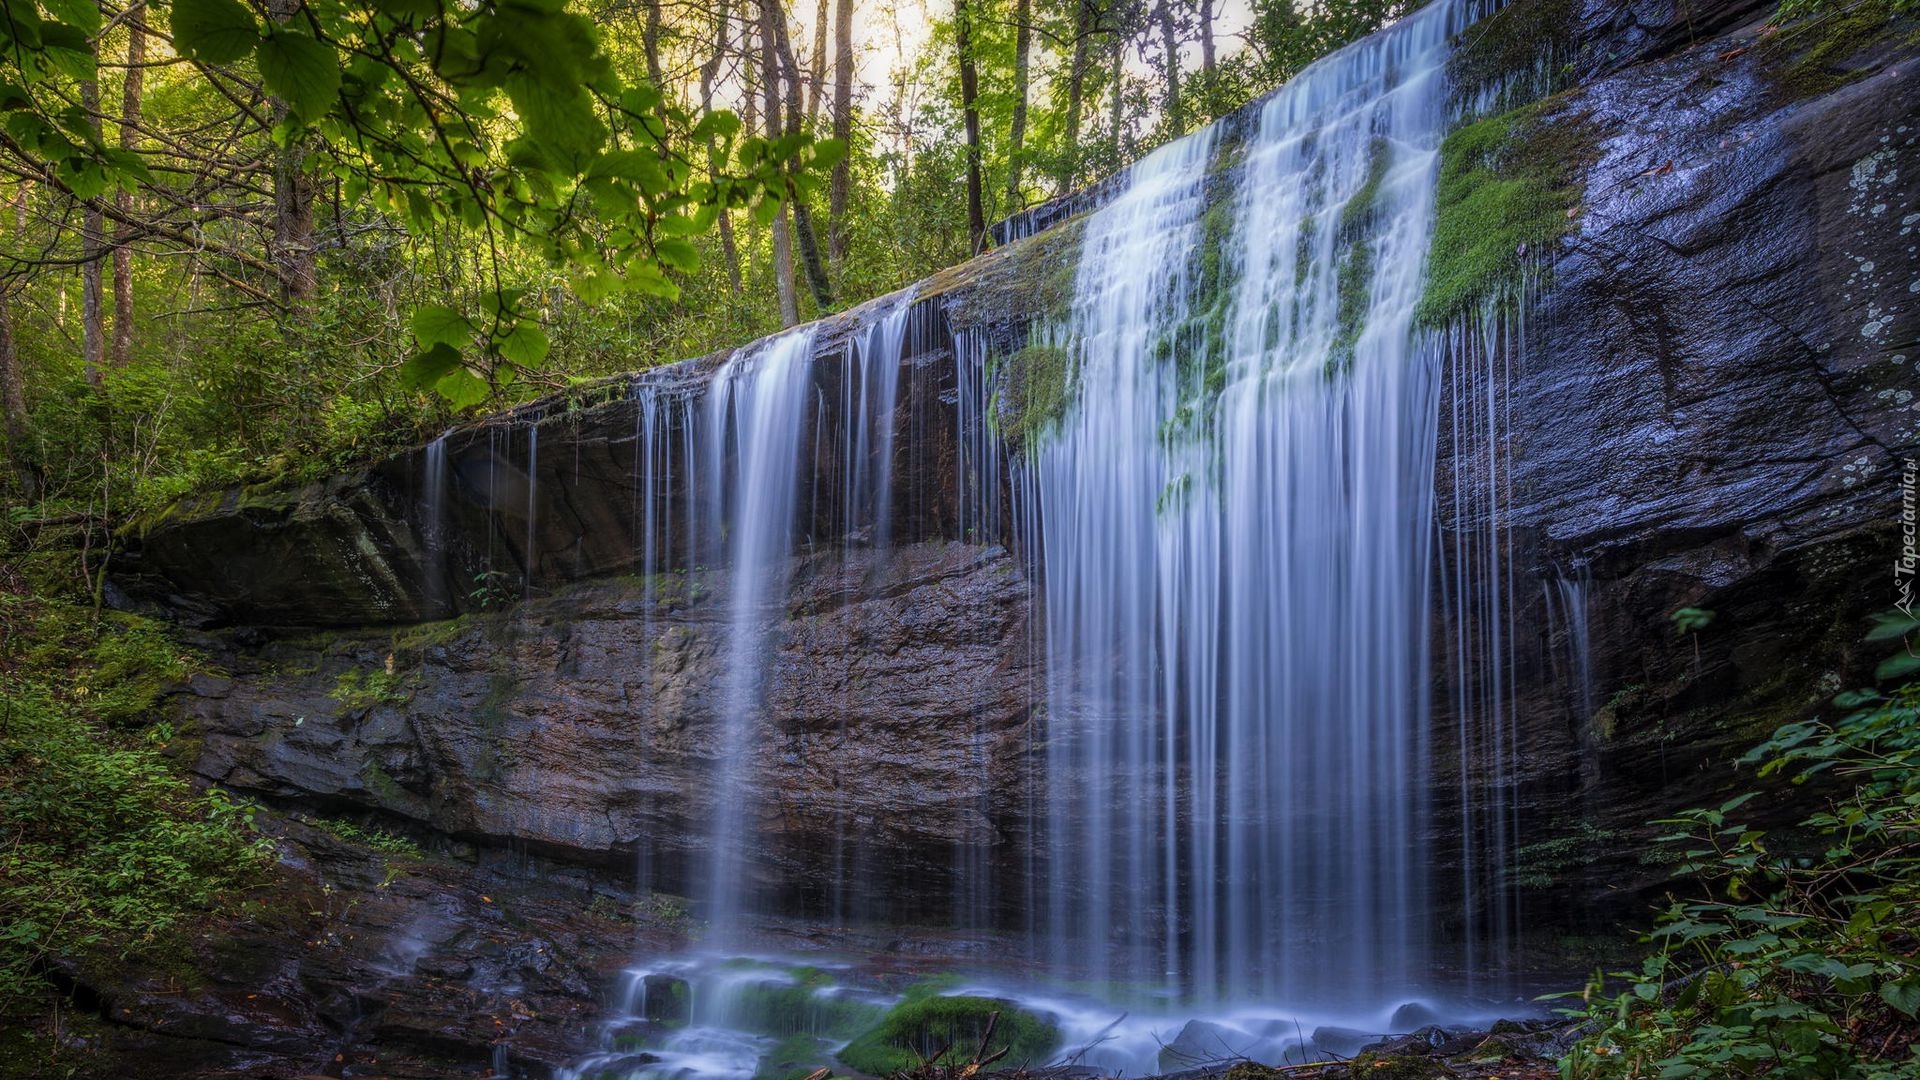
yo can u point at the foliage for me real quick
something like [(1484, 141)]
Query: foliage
[(104, 848), (356, 689), (369, 836), (931, 1029), (1804, 959)]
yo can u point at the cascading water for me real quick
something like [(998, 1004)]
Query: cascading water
[(755, 413), (1235, 520), (1232, 523)]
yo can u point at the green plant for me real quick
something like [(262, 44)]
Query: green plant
[(356, 689), (372, 836), (1804, 957), (104, 847)]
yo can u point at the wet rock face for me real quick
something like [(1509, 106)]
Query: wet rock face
[(1714, 403), (586, 726), (1711, 410)]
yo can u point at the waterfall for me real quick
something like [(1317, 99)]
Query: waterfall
[(1235, 523), (755, 413)]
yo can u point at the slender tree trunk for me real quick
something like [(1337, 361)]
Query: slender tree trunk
[(1116, 55), (1083, 20), (1171, 105), (722, 36), (1017, 126), (817, 64), (841, 186), (13, 408), (970, 112), (803, 232), (782, 240), (129, 140), (1207, 55), (92, 249), (293, 248), (650, 44)]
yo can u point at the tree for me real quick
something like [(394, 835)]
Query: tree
[(130, 94), (1017, 128), (842, 185), (970, 110)]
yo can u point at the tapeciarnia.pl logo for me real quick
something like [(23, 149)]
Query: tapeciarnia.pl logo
[(1903, 567)]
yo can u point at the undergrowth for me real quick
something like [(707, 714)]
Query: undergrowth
[(1802, 958), (104, 846)]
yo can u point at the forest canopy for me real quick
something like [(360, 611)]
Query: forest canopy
[(251, 240)]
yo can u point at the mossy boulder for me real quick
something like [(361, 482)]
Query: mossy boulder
[(947, 1030)]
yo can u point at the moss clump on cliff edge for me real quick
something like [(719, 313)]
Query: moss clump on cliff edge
[(1509, 186), (1528, 42), (1036, 391), (1806, 53), (920, 1027)]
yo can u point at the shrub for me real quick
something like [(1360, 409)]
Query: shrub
[(1804, 960)]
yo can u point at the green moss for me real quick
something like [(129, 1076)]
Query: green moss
[(1524, 39), (1508, 188), (1038, 389), (425, 636), (1808, 55), (793, 1058), (1396, 1067), (918, 1028), (798, 1007)]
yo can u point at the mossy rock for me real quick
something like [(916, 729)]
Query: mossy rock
[(1809, 56), (919, 1028), (783, 1008), (1253, 1070), (1374, 1066), (1509, 188), (1037, 391), (793, 1058)]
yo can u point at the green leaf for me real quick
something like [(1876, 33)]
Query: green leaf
[(1897, 666), (301, 71), (436, 324), (560, 123), (462, 388), (214, 31), (526, 345), (677, 254), (1892, 626), (1903, 995), (82, 15), (424, 369)]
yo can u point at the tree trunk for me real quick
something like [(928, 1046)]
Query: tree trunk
[(1017, 127), (13, 408), (817, 64), (129, 140), (650, 44), (970, 111), (1117, 54), (293, 249), (92, 249), (1207, 55), (1171, 105), (802, 214), (1083, 20), (722, 35), (782, 241), (841, 188)]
